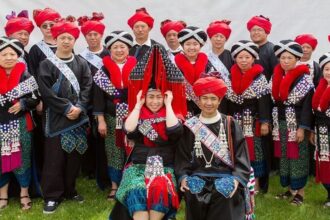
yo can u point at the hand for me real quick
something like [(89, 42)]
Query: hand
[(312, 138), (102, 128), (139, 100), (264, 129), (300, 135), (236, 186), (14, 109), (73, 113), (253, 203), (184, 185), (39, 108), (168, 98)]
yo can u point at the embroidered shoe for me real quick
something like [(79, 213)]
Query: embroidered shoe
[(50, 207)]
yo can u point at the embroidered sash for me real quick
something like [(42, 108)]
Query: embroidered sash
[(210, 140), (322, 146), (92, 58), (145, 127), (218, 65), (67, 72), (102, 80), (45, 49)]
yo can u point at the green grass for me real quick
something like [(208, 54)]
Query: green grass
[(97, 207)]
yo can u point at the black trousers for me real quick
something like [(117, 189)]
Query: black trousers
[(217, 207), (60, 171)]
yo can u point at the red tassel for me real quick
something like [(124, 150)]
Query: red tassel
[(119, 138), (322, 172), (277, 149), (250, 144), (257, 128), (29, 122), (292, 150)]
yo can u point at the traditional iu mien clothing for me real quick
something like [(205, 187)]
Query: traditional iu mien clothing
[(292, 93), (94, 159), (314, 68), (249, 103), (192, 70), (19, 23), (224, 61), (63, 83), (15, 129), (211, 156), (139, 50), (110, 100), (320, 104)]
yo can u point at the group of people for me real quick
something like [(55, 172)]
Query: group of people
[(160, 125)]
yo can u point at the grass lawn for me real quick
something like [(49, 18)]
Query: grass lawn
[(97, 207)]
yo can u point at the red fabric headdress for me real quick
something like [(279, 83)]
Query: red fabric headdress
[(18, 23), (48, 14), (307, 39), (221, 27), (157, 70), (260, 21), (93, 23), (66, 26), (168, 25), (141, 14), (210, 85)]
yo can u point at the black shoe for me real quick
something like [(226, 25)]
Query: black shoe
[(78, 198), (50, 207)]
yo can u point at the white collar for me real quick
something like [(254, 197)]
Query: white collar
[(210, 120), (147, 42), (97, 52), (179, 49), (310, 62)]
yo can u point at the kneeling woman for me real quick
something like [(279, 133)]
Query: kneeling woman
[(16, 87), (148, 187)]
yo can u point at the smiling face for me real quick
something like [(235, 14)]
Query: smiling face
[(218, 41), (93, 39), (288, 61), (191, 48), (8, 58), (65, 42), (258, 35), (141, 31), (209, 104), (244, 60), (119, 52), (172, 39), (326, 72), (154, 100), (23, 36)]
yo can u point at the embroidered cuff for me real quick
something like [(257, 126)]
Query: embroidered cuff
[(181, 178)]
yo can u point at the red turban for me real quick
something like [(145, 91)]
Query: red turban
[(92, 24), (48, 14), (65, 26), (141, 14), (307, 39), (260, 21), (210, 85), (217, 27), (169, 25), (21, 22)]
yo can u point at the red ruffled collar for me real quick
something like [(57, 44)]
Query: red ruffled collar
[(241, 81), (116, 76), (282, 82), (191, 71), (321, 98), (8, 83)]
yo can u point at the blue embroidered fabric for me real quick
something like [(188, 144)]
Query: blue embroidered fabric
[(75, 139), (195, 184), (225, 185)]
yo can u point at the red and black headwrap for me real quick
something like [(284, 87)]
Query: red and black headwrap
[(157, 71), (66, 25), (18, 23), (93, 23)]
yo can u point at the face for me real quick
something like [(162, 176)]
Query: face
[(209, 103), (258, 35), (8, 58), (218, 41), (93, 39), (244, 60), (172, 39), (45, 28), (154, 100), (119, 52), (23, 36), (307, 51), (191, 48), (141, 31), (65, 42), (326, 72), (288, 61)]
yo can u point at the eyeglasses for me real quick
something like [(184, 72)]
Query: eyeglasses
[(45, 26)]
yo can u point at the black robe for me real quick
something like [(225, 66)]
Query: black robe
[(57, 105), (317, 74), (226, 59), (138, 51), (187, 164), (267, 59)]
